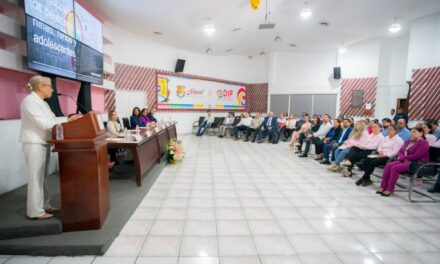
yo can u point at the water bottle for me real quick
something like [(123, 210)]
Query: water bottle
[(59, 132), (137, 130), (126, 135)]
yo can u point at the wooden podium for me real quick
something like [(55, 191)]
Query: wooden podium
[(83, 174)]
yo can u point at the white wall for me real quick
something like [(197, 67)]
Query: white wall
[(132, 49), (302, 73), (424, 44)]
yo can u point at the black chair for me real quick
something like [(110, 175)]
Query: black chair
[(218, 121), (197, 124), (126, 122)]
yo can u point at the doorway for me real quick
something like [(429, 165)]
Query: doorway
[(402, 103)]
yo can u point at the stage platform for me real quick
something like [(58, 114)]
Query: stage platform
[(21, 236)]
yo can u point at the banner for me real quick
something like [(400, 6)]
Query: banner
[(175, 92)]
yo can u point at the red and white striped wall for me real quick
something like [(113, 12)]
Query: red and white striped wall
[(137, 78), (424, 98), (368, 85)]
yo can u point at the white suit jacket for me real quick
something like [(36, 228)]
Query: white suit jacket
[(36, 120)]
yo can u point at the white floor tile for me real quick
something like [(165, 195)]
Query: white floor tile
[(72, 260), (233, 228), (200, 228), (114, 260), (198, 260), (239, 260), (167, 228), (199, 246), (309, 244), (26, 260), (273, 245), (264, 227), (125, 246), (161, 246), (236, 246), (157, 260), (280, 260), (319, 259)]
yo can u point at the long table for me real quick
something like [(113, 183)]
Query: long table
[(148, 150)]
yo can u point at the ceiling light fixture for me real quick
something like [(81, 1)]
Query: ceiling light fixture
[(292, 45), (306, 12), (342, 49), (262, 53), (157, 33), (228, 50), (395, 27), (277, 38), (209, 51), (236, 29), (209, 29)]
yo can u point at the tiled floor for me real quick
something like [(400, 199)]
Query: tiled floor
[(232, 202)]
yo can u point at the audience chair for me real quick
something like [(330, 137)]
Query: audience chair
[(198, 123), (218, 121), (126, 122)]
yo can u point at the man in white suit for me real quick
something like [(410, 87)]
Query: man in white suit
[(37, 120)]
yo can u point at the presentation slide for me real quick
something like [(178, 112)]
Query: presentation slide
[(89, 64), (49, 50), (175, 92), (55, 13), (88, 29)]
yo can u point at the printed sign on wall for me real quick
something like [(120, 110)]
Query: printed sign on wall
[(175, 92)]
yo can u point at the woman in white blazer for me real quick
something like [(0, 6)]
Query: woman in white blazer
[(37, 120)]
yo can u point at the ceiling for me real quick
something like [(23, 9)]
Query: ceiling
[(181, 22)]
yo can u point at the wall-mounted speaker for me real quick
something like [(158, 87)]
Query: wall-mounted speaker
[(337, 73), (180, 65)]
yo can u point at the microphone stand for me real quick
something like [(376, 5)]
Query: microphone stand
[(76, 101)]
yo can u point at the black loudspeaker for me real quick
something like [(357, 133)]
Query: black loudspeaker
[(180, 64), (337, 73)]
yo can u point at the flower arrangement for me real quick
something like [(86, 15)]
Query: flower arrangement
[(175, 151)]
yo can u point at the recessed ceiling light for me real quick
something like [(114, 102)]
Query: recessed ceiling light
[(277, 39), (209, 29), (157, 33), (236, 29), (228, 50), (395, 27), (262, 53), (292, 45), (306, 12), (209, 51), (324, 24)]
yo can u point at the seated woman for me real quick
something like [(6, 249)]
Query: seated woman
[(151, 114), (290, 126), (135, 119), (427, 129), (414, 149), (144, 117), (331, 146), (360, 151), (281, 125), (332, 135), (387, 149), (304, 128), (113, 130), (358, 135)]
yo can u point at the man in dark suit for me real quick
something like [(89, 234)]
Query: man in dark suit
[(268, 127)]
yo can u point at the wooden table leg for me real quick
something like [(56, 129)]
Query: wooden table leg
[(137, 166)]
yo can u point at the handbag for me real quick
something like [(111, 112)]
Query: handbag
[(413, 167)]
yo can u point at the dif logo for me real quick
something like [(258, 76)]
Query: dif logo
[(226, 94)]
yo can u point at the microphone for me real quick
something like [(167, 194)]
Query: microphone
[(76, 101)]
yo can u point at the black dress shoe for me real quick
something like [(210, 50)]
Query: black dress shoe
[(246, 140), (360, 181), (367, 182), (325, 162), (386, 194), (303, 156), (435, 188)]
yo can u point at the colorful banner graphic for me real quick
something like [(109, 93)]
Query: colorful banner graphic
[(175, 92)]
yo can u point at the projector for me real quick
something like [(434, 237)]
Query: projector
[(267, 25)]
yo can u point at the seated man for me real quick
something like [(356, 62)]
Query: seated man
[(319, 135), (332, 135), (268, 128), (229, 120), (243, 125), (402, 131), (334, 144), (209, 119), (254, 127)]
